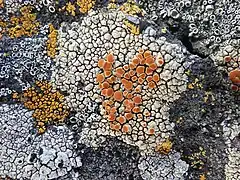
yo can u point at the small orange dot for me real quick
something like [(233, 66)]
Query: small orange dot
[(128, 85), (101, 63), (104, 92), (132, 66), (161, 62), (111, 117), (118, 96), (140, 116), (129, 96), (125, 93), (141, 51), (149, 60), (137, 99), (107, 73), (110, 92), (126, 128), (105, 85), (149, 71), (134, 78), (151, 131), (143, 75), (117, 127), (234, 76), (147, 54), (153, 66), (110, 58), (136, 109), (126, 67), (126, 75), (132, 73), (143, 61), (140, 56), (140, 69), (100, 78), (149, 78), (135, 61), (141, 80), (146, 113), (151, 85), (138, 89), (128, 116), (110, 80), (156, 77), (119, 72), (121, 119), (107, 66), (113, 110)]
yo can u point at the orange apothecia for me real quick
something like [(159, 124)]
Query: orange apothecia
[(121, 88), (47, 104)]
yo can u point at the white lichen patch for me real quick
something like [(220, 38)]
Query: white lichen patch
[(162, 167), (24, 154), (81, 45)]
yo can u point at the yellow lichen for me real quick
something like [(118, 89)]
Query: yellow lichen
[(202, 177), (23, 25), (1, 3), (47, 104), (85, 5), (71, 8), (52, 41), (131, 8), (165, 147), (134, 29)]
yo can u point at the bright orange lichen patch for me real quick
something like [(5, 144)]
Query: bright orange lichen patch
[(123, 89), (234, 76), (47, 104), (52, 41)]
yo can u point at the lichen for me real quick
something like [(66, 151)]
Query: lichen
[(47, 104)]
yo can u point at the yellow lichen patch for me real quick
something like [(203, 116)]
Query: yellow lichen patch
[(165, 147), (197, 158), (131, 8), (124, 89), (85, 5), (71, 9), (47, 104), (52, 41), (23, 25), (1, 3), (202, 177), (134, 29)]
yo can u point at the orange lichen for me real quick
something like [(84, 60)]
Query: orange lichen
[(47, 104), (118, 96), (151, 131), (100, 78), (137, 100), (234, 76), (125, 128), (101, 63), (156, 77), (123, 89), (121, 119)]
